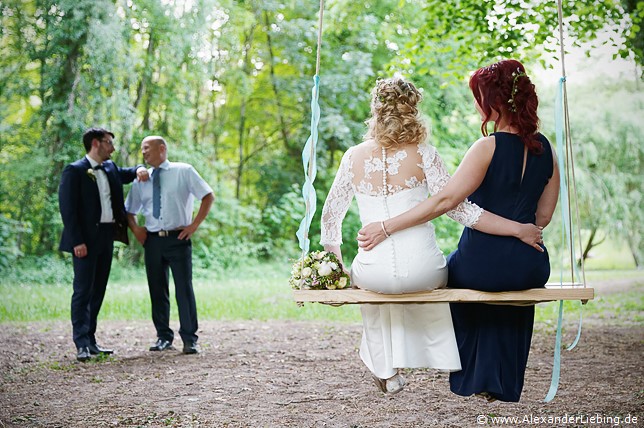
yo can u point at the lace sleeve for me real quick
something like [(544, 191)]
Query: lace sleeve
[(437, 177), (337, 203)]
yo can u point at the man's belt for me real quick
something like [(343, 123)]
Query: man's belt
[(166, 233)]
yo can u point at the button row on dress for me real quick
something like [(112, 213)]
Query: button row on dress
[(385, 190)]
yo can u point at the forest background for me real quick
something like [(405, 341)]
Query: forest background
[(228, 84)]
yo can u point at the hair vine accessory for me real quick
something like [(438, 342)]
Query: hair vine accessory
[(511, 101)]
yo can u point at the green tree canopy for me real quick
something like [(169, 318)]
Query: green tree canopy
[(228, 83)]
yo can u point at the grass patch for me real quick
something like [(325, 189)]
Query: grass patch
[(603, 275), (557, 275), (258, 292), (57, 365), (620, 308), (610, 254)]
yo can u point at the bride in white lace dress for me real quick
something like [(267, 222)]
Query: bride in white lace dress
[(390, 172)]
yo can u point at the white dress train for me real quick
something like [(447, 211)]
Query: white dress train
[(397, 335)]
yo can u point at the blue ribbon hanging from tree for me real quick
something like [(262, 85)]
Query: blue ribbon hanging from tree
[(310, 169), (566, 232), (309, 153)]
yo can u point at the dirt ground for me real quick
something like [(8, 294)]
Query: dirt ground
[(295, 374)]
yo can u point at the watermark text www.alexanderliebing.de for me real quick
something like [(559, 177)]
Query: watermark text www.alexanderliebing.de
[(594, 419)]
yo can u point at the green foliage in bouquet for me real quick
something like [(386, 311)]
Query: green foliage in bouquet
[(318, 270)]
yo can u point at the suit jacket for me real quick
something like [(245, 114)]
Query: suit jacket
[(80, 203)]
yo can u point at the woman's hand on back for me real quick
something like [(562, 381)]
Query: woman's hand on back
[(370, 236), (532, 235)]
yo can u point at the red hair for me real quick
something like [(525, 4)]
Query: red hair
[(505, 88)]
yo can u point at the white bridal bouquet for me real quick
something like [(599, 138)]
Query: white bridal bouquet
[(318, 270)]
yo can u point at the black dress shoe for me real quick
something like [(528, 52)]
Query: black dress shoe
[(83, 354), (95, 349), (190, 348), (161, 345)]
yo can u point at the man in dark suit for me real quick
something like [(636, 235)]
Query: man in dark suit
[(91, 205)]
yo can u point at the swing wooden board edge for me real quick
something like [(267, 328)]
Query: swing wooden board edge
[(552, 292)]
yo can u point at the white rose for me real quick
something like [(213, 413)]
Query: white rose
[(320, 255), (334, 265), (325, 269), (306, 272), (343, 282)]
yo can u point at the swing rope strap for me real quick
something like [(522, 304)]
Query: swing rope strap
[(309, 161), (567, 172)]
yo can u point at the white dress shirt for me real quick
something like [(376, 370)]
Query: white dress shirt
[(107, 215), (180, 185)]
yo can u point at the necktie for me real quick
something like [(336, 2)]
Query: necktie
[(156, 193), (99, 167)]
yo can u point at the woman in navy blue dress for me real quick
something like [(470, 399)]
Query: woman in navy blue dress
[(512, 173)]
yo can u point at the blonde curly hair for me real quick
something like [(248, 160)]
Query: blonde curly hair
[(395, 120)]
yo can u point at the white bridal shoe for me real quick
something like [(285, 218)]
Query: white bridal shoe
[(393, 385)]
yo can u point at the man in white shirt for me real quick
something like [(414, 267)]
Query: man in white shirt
[(166, 202), (90, 199)]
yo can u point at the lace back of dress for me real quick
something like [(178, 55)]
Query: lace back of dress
[(408, 168), (400, 170)]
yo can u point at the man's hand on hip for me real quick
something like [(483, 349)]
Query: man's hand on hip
[(187, 232)]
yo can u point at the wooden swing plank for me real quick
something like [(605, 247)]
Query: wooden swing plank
[(552, 292)]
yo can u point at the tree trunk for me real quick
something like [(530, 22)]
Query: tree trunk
[(147, 71), (633, 249), (590, 244), (197, 101), (240, 165), (142, 91), (241, 129), (212, 116), (271, 63)]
